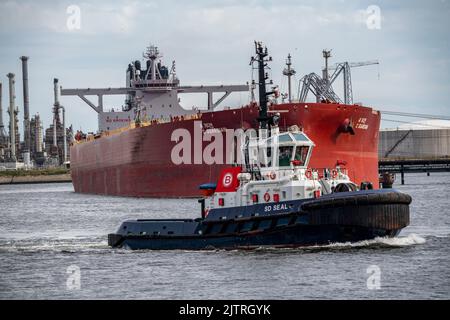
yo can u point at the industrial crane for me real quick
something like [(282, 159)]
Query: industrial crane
[(344, 67), (319, 86), (322, 88)]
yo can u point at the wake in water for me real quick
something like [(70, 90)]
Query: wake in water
[(56, 245), (379, 242), (409, 240)]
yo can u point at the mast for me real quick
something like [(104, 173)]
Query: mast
[(289, 72), (153, 54), (326, 55), (261, 54)]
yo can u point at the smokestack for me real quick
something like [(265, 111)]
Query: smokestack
[(1, 113), (2, 130), (64, 134), (26, 104), (56, 91), (38, 133), (12, 124), (55, 110)]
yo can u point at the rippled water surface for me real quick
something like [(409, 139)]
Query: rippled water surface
[(47, 230)]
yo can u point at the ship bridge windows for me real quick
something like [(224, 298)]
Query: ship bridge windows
[(266, 159), (284, 138), (301, 154), (295, 137), (285, 156), (300, 137), (269, 157)]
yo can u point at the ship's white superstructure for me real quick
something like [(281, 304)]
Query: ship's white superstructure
[(151, 94)]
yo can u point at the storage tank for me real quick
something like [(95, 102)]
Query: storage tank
[(423, 139)]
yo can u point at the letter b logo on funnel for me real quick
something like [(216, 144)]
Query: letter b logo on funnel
[(227, 180)]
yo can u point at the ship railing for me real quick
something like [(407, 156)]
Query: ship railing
[(133, 125), (327, 173)]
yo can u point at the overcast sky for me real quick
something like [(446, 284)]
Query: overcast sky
[(212, 42)]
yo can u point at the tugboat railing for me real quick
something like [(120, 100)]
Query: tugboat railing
[(328, 173), (262, 183)]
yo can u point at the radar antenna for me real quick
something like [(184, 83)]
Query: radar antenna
[(152, 53)]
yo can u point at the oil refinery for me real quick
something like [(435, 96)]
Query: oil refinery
[(38, 148)]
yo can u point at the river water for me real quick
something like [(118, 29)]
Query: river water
[(53, 245)]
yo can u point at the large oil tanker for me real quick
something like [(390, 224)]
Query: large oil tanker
[(133, 153)]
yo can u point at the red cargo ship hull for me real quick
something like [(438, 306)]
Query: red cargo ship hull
[(137, 162)]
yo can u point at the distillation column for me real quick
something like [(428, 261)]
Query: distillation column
[(26, 110), (12, 120)]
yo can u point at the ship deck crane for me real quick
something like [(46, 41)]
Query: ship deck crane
[(344, 68), (322, 88)]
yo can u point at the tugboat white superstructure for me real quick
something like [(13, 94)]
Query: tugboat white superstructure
[(274, 199), (277, 170)]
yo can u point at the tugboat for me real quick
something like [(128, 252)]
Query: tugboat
[(273, 199)]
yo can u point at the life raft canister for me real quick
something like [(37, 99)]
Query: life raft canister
[(266, 197)]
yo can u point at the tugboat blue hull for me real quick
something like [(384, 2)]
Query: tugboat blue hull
[(298, 236), (346, 217)]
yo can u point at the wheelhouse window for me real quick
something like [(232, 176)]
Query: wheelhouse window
[(269, 156), (266, 160), (300, 137), (301, 153), (284, 138), (285, 156)]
